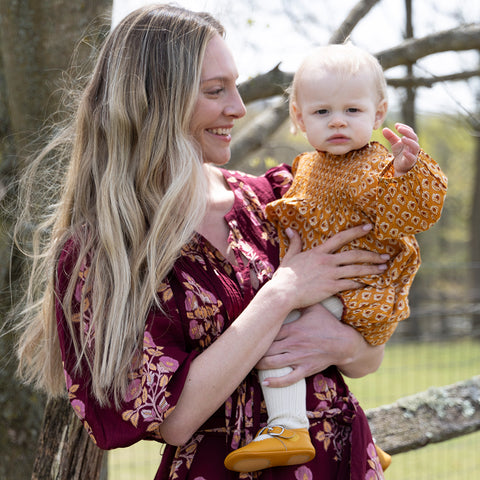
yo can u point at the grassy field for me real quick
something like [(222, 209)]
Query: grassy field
[(411, 368), (406, 369)]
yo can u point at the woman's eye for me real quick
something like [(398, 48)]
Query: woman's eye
[(215, 91)]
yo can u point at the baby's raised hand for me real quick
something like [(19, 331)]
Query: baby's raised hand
[(405, 149)]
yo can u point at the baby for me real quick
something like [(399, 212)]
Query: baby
[(338, 97)]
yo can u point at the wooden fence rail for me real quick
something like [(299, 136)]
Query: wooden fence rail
[(432, 416)]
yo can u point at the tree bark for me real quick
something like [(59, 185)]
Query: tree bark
[(433, 416), (37, 40), (65, 451), (466, 37), (475, 226)]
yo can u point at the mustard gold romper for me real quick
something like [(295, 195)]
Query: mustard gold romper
[(331, 193)]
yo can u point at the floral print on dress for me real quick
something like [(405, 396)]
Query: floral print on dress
[(373, 461), (77, 404), (148, 386), (303, 473), (203, 311), (184, 456), (329, 409)]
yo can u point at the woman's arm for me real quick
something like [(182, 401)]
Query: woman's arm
[(303, 279), (314, 342)]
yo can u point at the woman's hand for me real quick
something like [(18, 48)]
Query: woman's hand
[(309, 277), (314, 342)]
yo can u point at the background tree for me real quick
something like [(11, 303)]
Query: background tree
[(36, 43), (475, 220), (37, 40)]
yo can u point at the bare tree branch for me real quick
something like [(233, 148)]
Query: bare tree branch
[(429, 82), (266, 85), (466, 37), (253, 136), (356, 14)]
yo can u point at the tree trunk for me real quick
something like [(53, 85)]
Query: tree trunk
[(65, 451), (475, 226), (37, 41), (408, 106)]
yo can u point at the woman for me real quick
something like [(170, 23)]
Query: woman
[(161, 286)]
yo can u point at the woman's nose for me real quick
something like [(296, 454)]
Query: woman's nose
[(235, 107)]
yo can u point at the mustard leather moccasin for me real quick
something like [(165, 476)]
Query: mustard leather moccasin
[(272, 447), (384, 457)]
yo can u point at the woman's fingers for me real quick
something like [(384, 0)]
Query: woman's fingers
[(311, 276), (345, 236), (295, 245), (286, 380), (359, 258)]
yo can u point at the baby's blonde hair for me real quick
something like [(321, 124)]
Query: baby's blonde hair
[(344, 60)]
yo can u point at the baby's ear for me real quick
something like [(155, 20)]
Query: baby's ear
[(297, 117), (380, 114)]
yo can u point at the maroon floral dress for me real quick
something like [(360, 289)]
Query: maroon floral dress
[(202, 296)]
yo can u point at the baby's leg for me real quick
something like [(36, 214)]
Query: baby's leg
[(285, 440), (285, 405)]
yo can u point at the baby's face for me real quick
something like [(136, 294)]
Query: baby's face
[(338, 113)]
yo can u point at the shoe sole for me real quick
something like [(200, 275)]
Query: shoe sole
[(260, 463)]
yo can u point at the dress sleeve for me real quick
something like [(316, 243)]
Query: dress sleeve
[(154, 386), (280, 179), (411, 203)]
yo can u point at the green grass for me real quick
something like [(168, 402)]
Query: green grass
[(410, 368), (406, 369), (414, 367)]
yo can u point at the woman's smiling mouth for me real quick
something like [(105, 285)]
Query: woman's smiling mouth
[(223, 132)]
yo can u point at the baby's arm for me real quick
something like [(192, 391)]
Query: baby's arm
[(405, 149)]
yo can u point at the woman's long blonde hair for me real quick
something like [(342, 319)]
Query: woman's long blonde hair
[(132, 195)]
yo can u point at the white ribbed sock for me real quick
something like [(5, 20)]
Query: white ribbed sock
[(334, 305), (285, 405)]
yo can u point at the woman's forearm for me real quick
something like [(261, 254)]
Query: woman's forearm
[(220, 368), (360, 358)]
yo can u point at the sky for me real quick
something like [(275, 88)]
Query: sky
[(262, 35)]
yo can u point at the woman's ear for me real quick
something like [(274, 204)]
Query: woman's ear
[(380, 114)]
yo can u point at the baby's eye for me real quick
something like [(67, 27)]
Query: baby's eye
[(353, 110), (322, 111)]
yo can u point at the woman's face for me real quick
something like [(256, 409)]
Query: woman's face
[(218, 104)]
